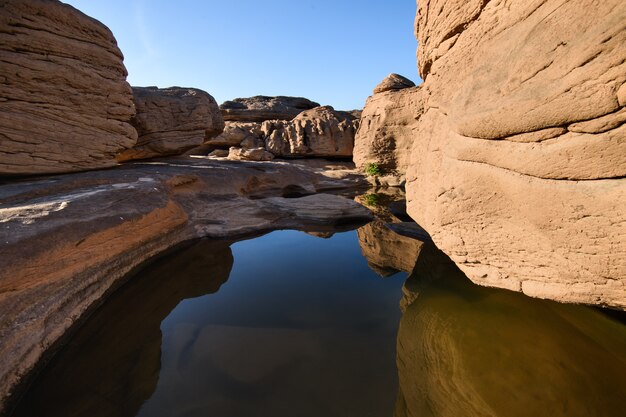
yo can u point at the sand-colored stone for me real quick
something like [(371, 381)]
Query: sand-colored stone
[(320, 132), (234, 133), (65, 104), (261, 108), (393, 82), (171, 121), (249, 154), (519, 162)]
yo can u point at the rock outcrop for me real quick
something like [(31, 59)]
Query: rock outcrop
[(320, 132), (235, 133), (72, 238), (518, 168), (261, 108), (65, 104), (170, 121), (250, 154), (388, 128), (393, 82)]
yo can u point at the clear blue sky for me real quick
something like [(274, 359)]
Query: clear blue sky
[(330, 51)]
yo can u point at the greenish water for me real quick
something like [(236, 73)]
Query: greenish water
[(289, 324)]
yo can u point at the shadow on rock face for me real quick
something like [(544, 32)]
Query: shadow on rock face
[(468, 350), (120, 345)]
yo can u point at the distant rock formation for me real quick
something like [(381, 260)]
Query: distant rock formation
[(518, 167), (393, 82), (320, 132), (65, 104), (170, 121), (261, 108), (387, 127)]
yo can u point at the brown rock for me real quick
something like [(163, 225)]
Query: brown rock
[(65, 103), (219, 153), (321, 132), (518, 170), (388, 129), (170, 121), (253, 154), (234, 133), (393, 82), (261, 108)]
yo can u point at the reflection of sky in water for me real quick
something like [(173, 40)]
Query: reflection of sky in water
[(301, 327)]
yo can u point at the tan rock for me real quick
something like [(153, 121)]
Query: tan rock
[(519, 163), (261, 108), (170, 121), (65, 103), (320, 132), (219, 153), (387, 130), (393, 82), (253, 154), (234, 133)]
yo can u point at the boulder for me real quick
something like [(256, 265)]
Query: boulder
[(170, 121), (393, 82), (253, 154), (387, 130), (320, 132), (219, 153), (234, 133), (65, 104), (518, 167), (261, 108)]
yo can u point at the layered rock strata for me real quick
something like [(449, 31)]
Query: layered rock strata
[(65, 103), (261, 108), (320, 132), (518, 169), (170, 121), (72, 238)]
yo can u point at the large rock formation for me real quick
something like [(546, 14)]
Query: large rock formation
[(65, 103), (261, 108), (320, 132), (387, 128), (170, 121), (518, 170)]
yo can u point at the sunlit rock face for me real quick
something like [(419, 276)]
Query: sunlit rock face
[(466, 350), (170, 121), (261, 108), (518, 166), (65, 104)]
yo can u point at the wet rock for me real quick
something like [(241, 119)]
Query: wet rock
[(320, 132), (171, 121), (65, 104), (261, 108), (518, 169)]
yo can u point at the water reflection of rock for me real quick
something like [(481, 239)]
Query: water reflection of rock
[(386, 252), (120, 346), (468, 350)]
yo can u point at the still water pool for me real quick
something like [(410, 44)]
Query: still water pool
[(291, 324)]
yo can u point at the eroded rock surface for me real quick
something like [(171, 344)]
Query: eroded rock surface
[(320, 132), (65, 103), (261, 108), (250, 154), (71, 238), (387, 130), (518, 167), (170, 121), (393, 82)]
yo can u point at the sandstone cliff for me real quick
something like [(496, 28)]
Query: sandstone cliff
[(518, 166), (65, 103), (170, 121)]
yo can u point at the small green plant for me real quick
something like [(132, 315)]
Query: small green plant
[(372, 169), (372, 200)]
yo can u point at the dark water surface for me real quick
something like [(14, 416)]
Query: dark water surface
[(289, 324)]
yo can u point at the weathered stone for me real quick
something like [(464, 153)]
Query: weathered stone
[(387, 130), (261, 108), (234, 133), (518, 169), (170, 121), (393, 82), (320, 132), (253, 154), (219, 153), (72, 238), (65, 103)]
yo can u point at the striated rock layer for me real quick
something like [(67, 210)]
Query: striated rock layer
[(65, 104), (519, 164), (320, 132), (170, 121)]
